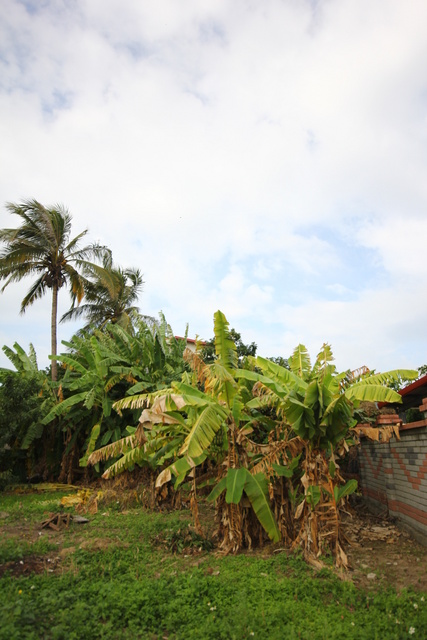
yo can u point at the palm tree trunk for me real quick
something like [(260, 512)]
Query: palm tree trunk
[(53, 331)]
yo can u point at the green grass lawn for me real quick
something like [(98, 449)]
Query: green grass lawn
[(118, 577)]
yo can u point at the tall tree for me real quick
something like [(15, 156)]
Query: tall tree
[(41, 246), (110, 293)]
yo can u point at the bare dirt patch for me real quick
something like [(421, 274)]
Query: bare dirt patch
[(383, 555), (31, 564)]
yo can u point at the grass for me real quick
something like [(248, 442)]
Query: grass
[(118, 578)]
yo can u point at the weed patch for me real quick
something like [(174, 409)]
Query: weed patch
[(185, 541), (127, 574)]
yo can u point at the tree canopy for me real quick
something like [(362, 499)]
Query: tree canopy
[(110, 294), (42, 247)]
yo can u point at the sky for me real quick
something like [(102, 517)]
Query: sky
[(267, 158)]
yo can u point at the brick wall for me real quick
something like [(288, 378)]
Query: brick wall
[(393, 475)]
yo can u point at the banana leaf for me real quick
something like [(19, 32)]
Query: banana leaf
[(62, 407), (236, 479), (256, 488), (372, 393), (349, 488), (388, 376), (203, 431), (94, 434), (281, 375), (217, 490), (225, 348), (300, 362), (183, 465), (282, 472)]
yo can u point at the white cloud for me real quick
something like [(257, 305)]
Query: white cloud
[(247, 156), (400, 244)]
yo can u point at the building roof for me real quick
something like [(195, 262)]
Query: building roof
[(414, 393)]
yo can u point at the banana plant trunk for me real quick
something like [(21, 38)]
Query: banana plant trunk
[(319, 518)]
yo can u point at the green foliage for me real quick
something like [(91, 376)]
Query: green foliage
[(235, 483), (413, 415), (41, 247), (422, 371), (204, 429), (346, 490), (225, 349), (289, 470), (184, 540), (282, 362), (103, 367), (243, 350), (191, 428), (300, 363), (269, 436), (20, 415), (25, 364), (313, 495), (141, 585), (25, 397), (13, 550), (209, 416), (256, 488), (110, 294), (317, 402)]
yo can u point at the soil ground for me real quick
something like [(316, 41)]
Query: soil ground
[(381, 553)]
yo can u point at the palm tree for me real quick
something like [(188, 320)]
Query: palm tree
[(41, 246), (109, 296)]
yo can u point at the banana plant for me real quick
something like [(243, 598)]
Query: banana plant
[(101, 367), (318, 403), (222, 407), (26, 368), (155, 441), (210, 421), (269, 437), (26, 395)]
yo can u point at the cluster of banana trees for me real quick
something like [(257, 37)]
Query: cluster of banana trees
[(100, 367), (26, 396), (268, 441)]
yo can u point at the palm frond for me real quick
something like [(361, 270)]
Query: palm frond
[(35, 292)]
